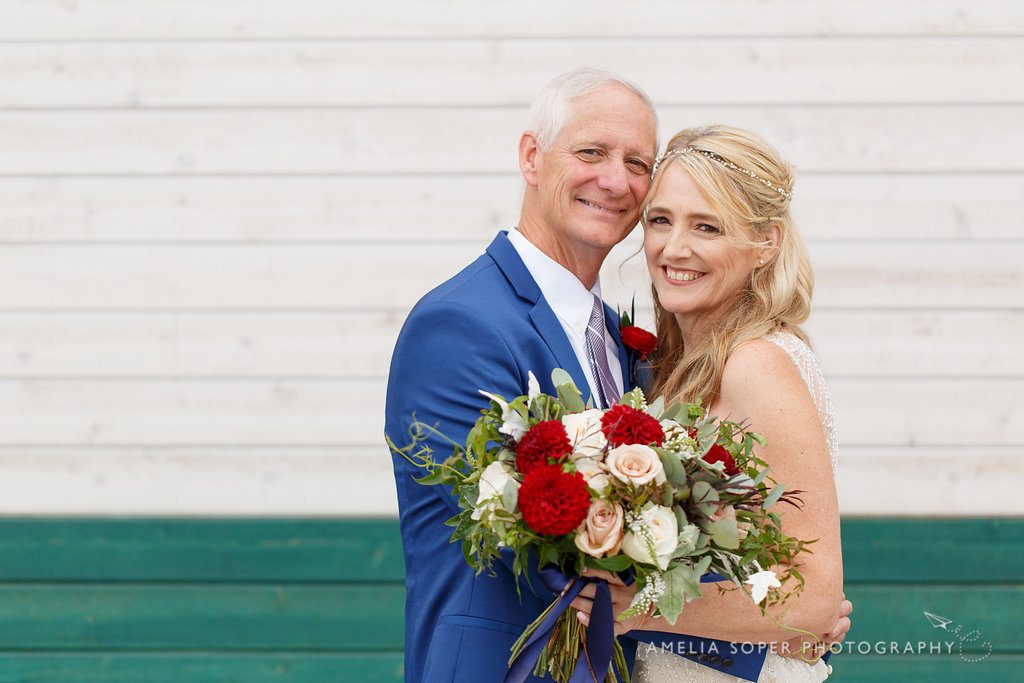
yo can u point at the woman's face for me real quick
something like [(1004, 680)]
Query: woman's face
[(695, 267)]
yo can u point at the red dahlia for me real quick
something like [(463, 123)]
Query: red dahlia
[(719, 454), (640, 340), (545, 443), (552, 501), (624, 425)]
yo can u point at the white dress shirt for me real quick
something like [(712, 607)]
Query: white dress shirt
[(571, 303)]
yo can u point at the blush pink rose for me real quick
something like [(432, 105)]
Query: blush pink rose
[(601, 533)]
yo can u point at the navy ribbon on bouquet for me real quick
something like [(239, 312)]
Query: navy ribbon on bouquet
[(597, 655)]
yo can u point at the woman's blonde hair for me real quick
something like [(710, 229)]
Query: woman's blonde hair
[(749, 187)]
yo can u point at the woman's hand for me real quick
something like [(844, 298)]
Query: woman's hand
[(622, 598), (812, 650)]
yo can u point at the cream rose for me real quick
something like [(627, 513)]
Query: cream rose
[(594, 474), (663, 527), (635, 464), (585, 435), (600, 533), (495, 480)]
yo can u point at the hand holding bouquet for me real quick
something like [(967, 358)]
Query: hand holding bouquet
[(662, 495)]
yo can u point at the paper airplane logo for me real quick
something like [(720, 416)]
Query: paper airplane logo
[(937, 621)]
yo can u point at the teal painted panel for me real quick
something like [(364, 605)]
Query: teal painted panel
[(55, 667), (978, 616), (312, 550), (221, 617), (933, 550), (148, 549), (926, 669)]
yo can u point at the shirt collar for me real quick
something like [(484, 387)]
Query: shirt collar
[(570, 300)]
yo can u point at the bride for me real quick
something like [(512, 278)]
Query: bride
[(732, 285)]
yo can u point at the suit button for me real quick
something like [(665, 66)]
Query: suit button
[(727, 662), (716, 660), (702, 657)]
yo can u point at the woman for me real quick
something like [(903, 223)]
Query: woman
[(732, 285)]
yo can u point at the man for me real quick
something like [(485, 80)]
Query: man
[(530, 303)]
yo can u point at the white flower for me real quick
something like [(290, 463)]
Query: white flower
[(585, 435), (534, 388), (655, 527), (498, 490), (635, 464), (513, 423), (760, 583), (594, 474)]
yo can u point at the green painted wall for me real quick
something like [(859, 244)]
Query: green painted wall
[(303, 601)]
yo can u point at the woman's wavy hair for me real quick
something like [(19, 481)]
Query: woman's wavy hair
[(778, 295)]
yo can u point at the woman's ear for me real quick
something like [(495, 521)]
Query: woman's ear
[(772, 240), (529, 153)]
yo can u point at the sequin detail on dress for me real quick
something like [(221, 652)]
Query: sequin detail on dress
[(807, 363)]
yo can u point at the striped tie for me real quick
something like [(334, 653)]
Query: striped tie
[(598, 356)]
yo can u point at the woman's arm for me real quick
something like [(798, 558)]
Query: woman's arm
[(762, 387)]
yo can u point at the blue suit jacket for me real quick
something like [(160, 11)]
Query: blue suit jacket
[(485, 328)]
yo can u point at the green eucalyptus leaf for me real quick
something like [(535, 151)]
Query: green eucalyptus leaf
[(774, 496), (615, 563), (657, 409), (724, 533), (670, 604)]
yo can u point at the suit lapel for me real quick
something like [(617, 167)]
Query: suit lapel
[(543, 318)]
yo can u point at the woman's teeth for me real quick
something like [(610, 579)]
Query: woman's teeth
[(683, 275)]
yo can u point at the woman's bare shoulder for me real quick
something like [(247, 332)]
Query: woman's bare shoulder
[(759, 374)]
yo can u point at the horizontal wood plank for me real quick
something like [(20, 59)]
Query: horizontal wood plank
[(250, 667), (353, 618), (286, 479), (869, 412), (896, 613), (868, 139), (304, 550), (933, 550), (366, 618), (201, 550), (264, 277), (311, 345), (854, 668), (460, 208), (315, 19), (479, 72), (289, 480)]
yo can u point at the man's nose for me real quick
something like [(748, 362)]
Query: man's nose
[(614, 178)]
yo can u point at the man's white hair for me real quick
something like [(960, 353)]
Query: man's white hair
[(553, 106)]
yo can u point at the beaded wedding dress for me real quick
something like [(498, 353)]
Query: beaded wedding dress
[(654, 665)]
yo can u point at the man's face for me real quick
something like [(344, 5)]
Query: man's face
[(593, 179)]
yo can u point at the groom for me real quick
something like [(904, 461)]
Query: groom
[(532, 302)]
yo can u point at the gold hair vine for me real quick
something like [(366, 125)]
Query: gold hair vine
[(711, 155)]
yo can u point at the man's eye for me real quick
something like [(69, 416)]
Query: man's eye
[(639, 166), (590, 152)]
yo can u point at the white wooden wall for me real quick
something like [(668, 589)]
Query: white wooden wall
[(215, 214)]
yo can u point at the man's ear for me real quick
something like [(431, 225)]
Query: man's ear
[(529, 153)]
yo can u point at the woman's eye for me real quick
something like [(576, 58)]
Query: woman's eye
[(709, 229), (658, 220)]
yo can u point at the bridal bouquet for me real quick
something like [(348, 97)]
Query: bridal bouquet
[(661, 494)]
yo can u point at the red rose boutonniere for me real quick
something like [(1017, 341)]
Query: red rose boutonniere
[(636, 338)]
